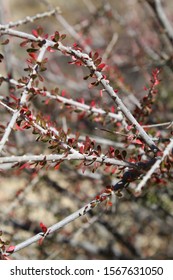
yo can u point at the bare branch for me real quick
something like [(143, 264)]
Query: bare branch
[(23, 100), (153, 168), (70, 101), (81, 212), (30, 19), (61, 157), (110, 46), (158, 9), (6, 48), (90, 64), (70, 29)]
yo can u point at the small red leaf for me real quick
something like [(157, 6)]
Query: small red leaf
[(101, 66), (5, 42), (10, 249), (49, 49), (93, 103), (129, 127), (95, 56), (57, 166), (33, 55), (40, 241), (63, 92), (113, 170), (81, 100), (46, 36), (24, 43), (47, 101), (17, 127), (137, 141), (35, 32), (25, 165), (109, 203), (112, 109), (43, 227), (14, 97), (81, 149), (101, 93), (98, 61)]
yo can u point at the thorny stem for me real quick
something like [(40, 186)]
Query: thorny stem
[(81, 212), (128, 114), (61, 157), (78, 105), (90, 64), (70, 101), (153, 168)]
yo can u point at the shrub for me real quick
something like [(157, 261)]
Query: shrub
[(75, 135)]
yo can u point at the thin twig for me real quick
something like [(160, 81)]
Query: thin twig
[(69, 28), (81, 106), (157, 7), (81, 212), (158, 124), (69, 101), (23, 194), (23, 100), (110, 46), (6, 48), (30, 19), (153, 168), (61, 157), (105, 83)]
